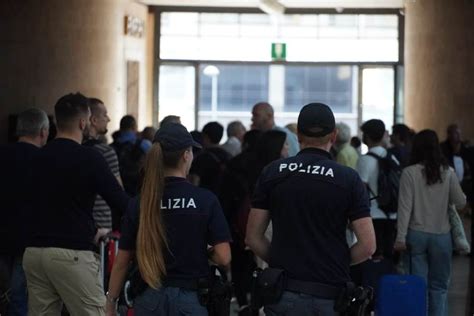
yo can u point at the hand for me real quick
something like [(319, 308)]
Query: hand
[(400, 246), (101, 232)]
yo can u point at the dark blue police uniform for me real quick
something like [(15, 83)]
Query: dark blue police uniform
[(310, 198), (193, 219)]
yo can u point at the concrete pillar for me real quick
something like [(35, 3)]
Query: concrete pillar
[(439, 65), (53, 47)]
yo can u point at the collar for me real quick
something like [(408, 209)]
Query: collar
[(233, 140), (26, 144), (175, 180), (315, 151), (379, 150)]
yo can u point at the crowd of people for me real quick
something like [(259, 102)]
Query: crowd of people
[(302, 200)]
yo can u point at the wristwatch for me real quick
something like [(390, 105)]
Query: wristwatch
[(111, 299)]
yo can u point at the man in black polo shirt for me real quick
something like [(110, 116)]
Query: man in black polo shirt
[(310, 199), (16, 204), (59, 262)]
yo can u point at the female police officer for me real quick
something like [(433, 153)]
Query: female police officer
[(169, 230)]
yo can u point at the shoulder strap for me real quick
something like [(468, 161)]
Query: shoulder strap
[(374, 155)]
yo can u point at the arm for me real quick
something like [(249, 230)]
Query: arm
[(365, 246), (109, 188), (220, 254), (405, 208), (117, 279), (256, 226)]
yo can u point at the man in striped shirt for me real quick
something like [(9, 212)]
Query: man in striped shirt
[(98, 127)]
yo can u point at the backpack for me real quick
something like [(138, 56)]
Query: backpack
[(130, 157), (388, 182)]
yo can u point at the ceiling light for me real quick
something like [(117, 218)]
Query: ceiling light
[(271, 7)]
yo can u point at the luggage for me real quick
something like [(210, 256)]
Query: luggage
[(401, 295), (369, 273), (108, 252)]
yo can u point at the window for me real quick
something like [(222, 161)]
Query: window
[(333, 85), (238, 87), (309, 37)]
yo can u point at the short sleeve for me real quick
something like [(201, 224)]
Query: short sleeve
[(261, 193), (128, 237), (218, 229), (363, 168), (360, 206)]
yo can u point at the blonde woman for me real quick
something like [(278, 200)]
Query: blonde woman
[(169, 231)]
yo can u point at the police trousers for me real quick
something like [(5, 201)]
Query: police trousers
[(169, 301), (297, 304)]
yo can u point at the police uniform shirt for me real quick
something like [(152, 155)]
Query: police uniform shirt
[(192, 218), (310, 199)]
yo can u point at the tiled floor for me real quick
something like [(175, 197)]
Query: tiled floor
[(459, 294)]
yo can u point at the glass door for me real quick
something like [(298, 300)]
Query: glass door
[(378, 94), (177, 93)]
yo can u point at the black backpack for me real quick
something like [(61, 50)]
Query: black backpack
[(388, 183), (131, 157)]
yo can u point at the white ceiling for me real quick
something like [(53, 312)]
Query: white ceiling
[(286, 3)]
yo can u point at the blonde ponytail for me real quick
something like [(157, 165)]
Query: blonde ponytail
[(151, 237)]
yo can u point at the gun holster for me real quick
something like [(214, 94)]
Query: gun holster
[(215, 292), (134, 285), (354, 301)]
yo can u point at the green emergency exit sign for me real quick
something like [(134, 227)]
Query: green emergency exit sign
[(278, 51)]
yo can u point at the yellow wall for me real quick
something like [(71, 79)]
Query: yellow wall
[(53, 47), (439, 65)]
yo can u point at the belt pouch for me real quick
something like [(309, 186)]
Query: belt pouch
[(271, 284)]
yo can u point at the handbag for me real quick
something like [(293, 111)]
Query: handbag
[(458, 234)]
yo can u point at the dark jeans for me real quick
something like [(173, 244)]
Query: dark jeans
[(6, 262), (168, 301), (18, 295), (385, 233), (295, 304)]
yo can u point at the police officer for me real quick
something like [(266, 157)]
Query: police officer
[(310, 199), (168, 230)]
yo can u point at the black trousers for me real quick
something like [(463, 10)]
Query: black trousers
[(385, 234), (243, 265)]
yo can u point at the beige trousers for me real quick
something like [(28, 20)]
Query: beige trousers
[(57, 275)]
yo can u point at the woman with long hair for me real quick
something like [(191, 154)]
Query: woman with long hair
[(427, 187), (168, 231)]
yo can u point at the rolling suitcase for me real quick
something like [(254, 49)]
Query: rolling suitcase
[(401, 295), (108, 251)]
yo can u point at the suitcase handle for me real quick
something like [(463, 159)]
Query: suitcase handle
[(410, 255)]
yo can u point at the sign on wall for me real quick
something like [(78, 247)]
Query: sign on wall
[(278, 51), (134, 26)]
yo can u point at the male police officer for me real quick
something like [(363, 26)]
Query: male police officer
[(310, 198)]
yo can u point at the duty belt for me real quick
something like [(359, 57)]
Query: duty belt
[(186, 284), (319, 290)]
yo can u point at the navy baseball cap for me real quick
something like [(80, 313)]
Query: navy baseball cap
[(316, 120), (174, 137)]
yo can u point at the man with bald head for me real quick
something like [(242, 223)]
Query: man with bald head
[(263, 120)]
